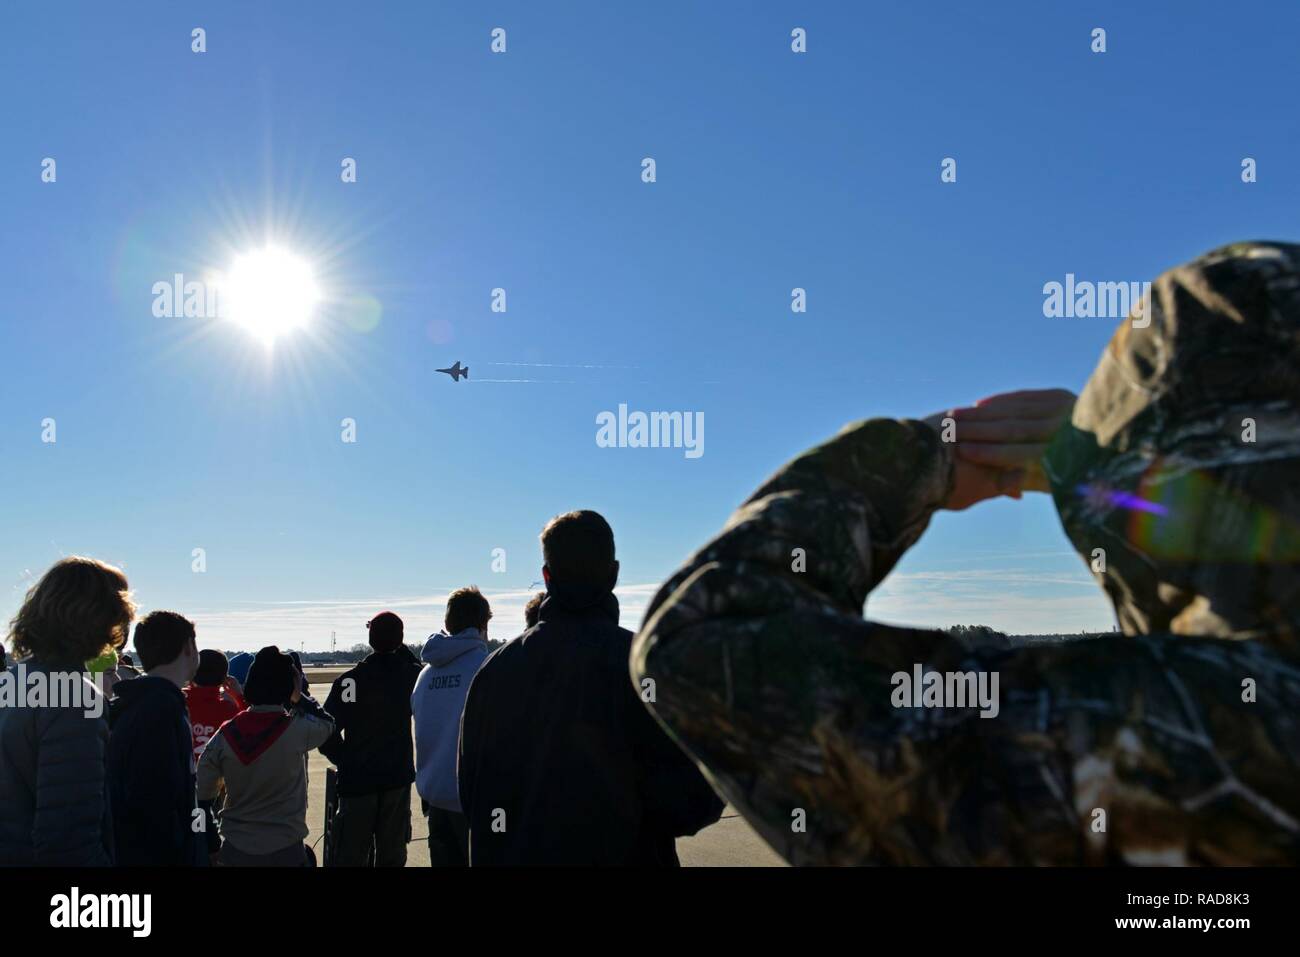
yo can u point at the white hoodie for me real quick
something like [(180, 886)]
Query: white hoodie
[(451, 662)]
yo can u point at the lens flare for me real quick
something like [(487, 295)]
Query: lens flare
[(270, 292)]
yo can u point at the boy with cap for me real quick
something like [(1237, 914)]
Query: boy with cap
[(260, 755), (372, 748)]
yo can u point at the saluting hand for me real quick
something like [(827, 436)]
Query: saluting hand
[(1000, 443)]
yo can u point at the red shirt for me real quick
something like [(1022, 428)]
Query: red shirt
[(210, 708)]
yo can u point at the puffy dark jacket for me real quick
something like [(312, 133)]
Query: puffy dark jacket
[(560, 762), (371, 706), (54, 804), (151, 776)]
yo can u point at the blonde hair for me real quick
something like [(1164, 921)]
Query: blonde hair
[(78, 610)]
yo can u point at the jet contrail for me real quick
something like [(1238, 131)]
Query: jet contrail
[(544, 381), (556, 365)]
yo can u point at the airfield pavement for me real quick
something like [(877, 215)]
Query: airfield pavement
[(731, 842)]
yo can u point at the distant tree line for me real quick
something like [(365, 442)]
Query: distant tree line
[(353, 654), (969, 632), (985, 633)]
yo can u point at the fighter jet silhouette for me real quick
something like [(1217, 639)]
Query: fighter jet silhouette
[(456, 372)]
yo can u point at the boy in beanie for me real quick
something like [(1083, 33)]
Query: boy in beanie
[(260, 755), (372, 749), (303, 684), (212, 698), (238, 668)]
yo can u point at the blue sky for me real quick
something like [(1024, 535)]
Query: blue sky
[(522, 170)]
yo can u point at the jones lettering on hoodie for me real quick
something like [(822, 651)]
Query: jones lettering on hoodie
[(444, 681)]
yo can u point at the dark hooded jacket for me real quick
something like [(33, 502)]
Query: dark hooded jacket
[(151, 776), (371, 706), (560, 762)]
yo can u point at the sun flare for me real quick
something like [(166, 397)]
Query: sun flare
[(270, 292)]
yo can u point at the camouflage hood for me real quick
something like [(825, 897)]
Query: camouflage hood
[(1178, 477)]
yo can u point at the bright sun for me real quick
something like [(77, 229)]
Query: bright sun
[(270, 292)]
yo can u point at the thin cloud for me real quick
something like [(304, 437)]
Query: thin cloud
[(307, 623), (557, 365), (1012, 600)]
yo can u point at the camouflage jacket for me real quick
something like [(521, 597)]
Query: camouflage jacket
[(1131, 749)]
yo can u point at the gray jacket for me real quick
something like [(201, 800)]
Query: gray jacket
[(266, 796), (53, 785)]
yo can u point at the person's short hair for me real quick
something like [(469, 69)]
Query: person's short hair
[(385, 631), (533, 609), (466, 608), (578, 548), (79, 607), (213, 668), (160, 637)]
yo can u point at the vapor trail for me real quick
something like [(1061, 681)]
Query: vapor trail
[(556, 365)]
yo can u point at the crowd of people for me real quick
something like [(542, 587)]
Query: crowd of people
[(202, 760), (1176, 476)]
